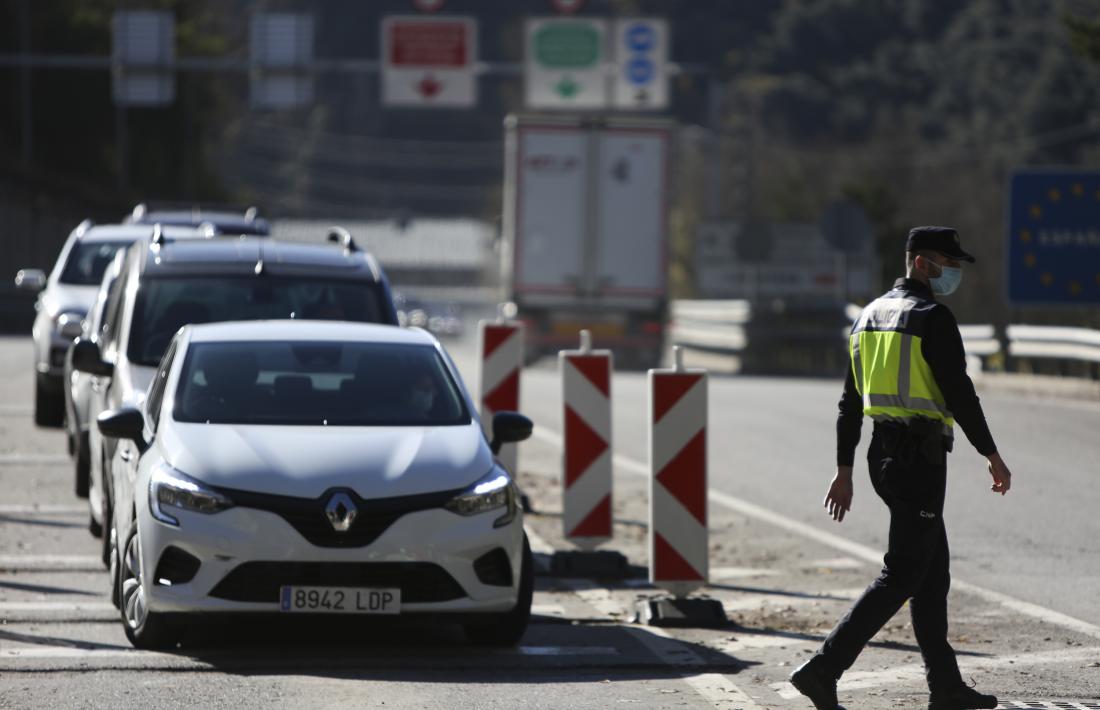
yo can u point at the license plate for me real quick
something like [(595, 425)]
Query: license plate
[(340, 600)]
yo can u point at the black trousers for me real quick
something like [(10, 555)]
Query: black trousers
[(916, 566)]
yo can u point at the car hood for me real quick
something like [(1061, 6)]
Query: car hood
[(305, 461), (60, 297)]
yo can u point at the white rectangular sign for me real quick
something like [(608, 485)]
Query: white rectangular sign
[(428, 62), (641, 64), (565, 64)]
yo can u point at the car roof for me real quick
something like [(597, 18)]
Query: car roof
[(255, 255), (291, 330), (226, 222), (131, 232)]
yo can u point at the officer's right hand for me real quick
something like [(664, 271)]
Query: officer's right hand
[(1002, 477), (838, 500)]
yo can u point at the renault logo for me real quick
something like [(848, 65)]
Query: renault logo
[(340, 512)]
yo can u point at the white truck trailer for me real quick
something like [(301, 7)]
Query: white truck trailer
[(585, 232)]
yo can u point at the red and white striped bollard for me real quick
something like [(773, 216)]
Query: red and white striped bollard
[(678, 478), (500, 359), (586, 449)]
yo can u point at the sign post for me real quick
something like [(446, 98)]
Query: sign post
[(428, 62)]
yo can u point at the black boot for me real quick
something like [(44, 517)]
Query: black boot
[(960, 698), (814, 681)]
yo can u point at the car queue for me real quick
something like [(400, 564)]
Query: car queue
[(241, 455)]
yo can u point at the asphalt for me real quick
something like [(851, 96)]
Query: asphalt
[(1025, 567)]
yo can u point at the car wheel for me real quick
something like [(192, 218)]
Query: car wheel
[(115, 566), (83, 465), (106, 517), (49, 406), (144, 628), (507, 629)]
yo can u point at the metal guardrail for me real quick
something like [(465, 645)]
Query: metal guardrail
[(720, 326)]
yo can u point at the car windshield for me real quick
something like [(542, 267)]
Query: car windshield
[(164, 305), (87, 262), (317, 383)]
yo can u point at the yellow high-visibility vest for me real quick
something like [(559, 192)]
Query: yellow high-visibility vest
[(890, 371)]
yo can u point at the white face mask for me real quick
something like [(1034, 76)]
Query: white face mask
[(949, 279)]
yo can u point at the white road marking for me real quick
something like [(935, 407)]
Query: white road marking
[(57, 606), (548, 609), (538, 544), (42, 651), (42, 563), (834, 563), (914, 672), (714, 687), (739, 572), (848, 547), (10, 459), (36, 509)]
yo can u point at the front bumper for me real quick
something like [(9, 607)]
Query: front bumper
[(246, 554)]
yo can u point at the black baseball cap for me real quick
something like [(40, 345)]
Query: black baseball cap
[(945, 240)]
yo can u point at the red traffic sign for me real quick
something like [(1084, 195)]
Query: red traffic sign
[(428, 62), (567, 7), (428, 5)]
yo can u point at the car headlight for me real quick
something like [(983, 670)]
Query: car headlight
[(169, 489), (493, 492), (69, 324)]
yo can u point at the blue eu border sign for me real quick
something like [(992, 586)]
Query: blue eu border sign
[(1054, 237)]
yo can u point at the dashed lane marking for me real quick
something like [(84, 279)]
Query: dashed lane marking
[(914, 672), (740, 572), (50, 563), (848, 547)]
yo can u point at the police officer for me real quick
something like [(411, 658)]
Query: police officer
[(908, 373)]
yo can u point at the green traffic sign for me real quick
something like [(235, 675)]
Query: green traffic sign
[(567, 88), (573, 45)]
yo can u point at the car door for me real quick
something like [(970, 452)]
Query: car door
[(101, 450)]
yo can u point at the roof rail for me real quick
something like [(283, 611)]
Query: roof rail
[(158, 234), (341, 236), (83, 227), (252, 213), (139, 211)]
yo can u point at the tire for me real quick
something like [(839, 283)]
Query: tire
[(82, 466), (508, 628), (107, 517), (96, 529), (146, 629), (113, 568), (49, 406)]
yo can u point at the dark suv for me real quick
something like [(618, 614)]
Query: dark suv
[(165, 284)]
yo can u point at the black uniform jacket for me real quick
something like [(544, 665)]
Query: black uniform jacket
[(942, 348)]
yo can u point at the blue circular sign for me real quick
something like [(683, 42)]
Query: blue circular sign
[(640, 37), (640, 71)]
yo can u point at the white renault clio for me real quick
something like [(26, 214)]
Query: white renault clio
[(304, 467)]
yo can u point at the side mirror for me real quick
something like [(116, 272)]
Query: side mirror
[(30, 280), (509, 428), (123, 423), (87, 358)]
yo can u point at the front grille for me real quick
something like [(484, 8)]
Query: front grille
[(176, 567), (307, 515), (493, 568), (260, 581)]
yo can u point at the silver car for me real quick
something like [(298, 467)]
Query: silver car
[(64, 297)]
